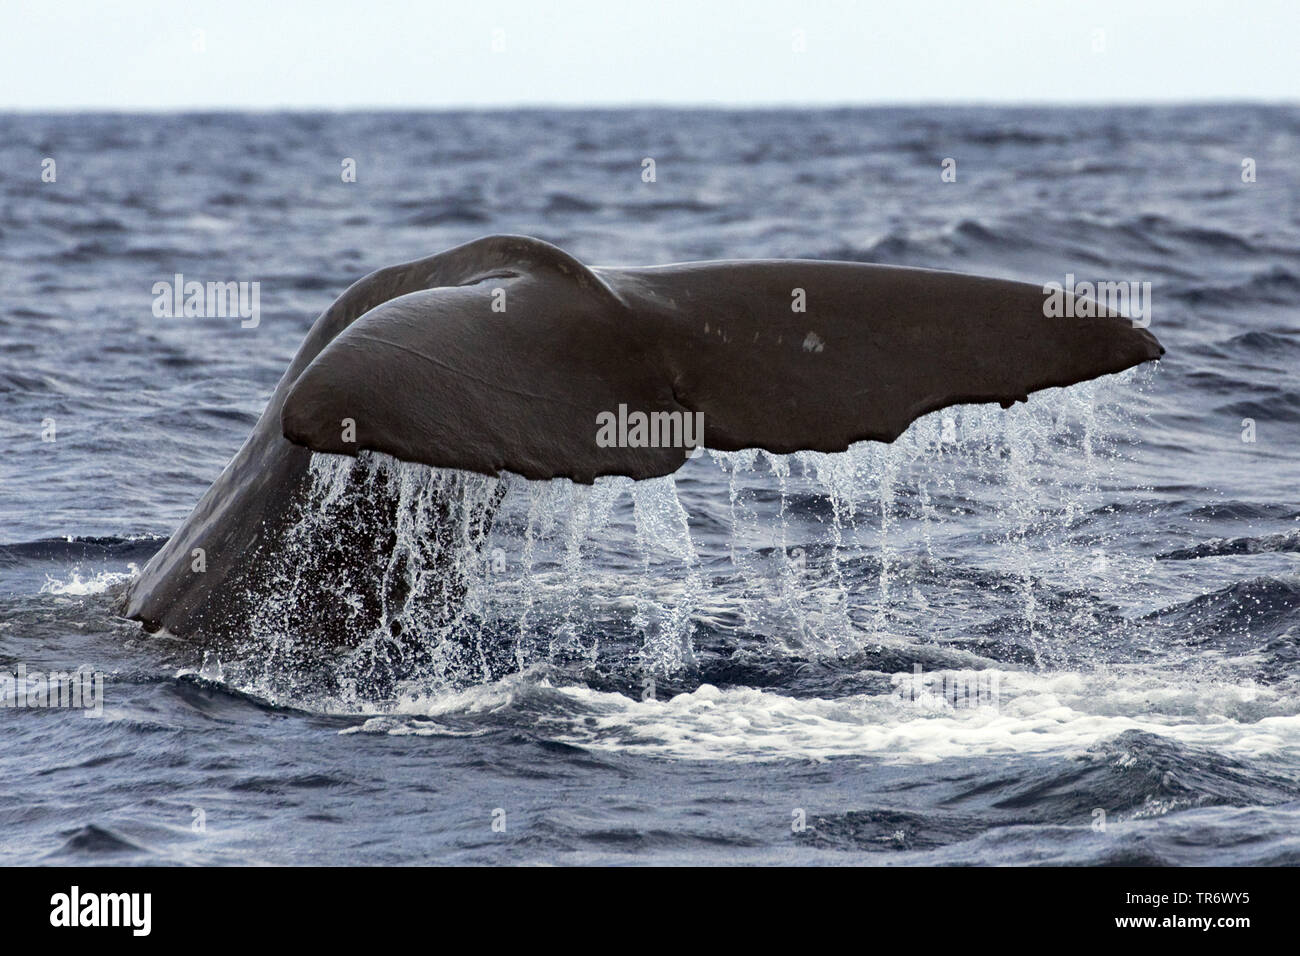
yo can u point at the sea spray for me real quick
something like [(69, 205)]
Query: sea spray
[(370, 585), (396, 573), (664, 536)]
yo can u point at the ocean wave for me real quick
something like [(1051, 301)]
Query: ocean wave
[(76, 548), (1217, 547), (1131, 777), (1276, 285), (1245, 613)]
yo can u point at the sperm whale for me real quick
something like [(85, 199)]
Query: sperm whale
[(507, 354)]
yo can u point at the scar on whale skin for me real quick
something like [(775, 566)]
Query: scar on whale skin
[(502, 354)]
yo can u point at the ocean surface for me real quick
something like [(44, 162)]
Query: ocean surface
[(1068, 632)]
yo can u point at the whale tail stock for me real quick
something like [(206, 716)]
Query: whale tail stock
[(507, 354)]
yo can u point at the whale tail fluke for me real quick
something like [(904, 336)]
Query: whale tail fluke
[(535, 364)]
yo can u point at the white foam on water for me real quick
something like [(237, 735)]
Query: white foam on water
[(77, 586), (1061, 713)]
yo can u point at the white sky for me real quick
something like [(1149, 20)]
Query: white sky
[(338, 54)]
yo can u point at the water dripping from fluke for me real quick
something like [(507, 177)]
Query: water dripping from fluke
[(397, 578)]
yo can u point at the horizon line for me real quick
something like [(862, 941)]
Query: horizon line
[(702, 105)]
